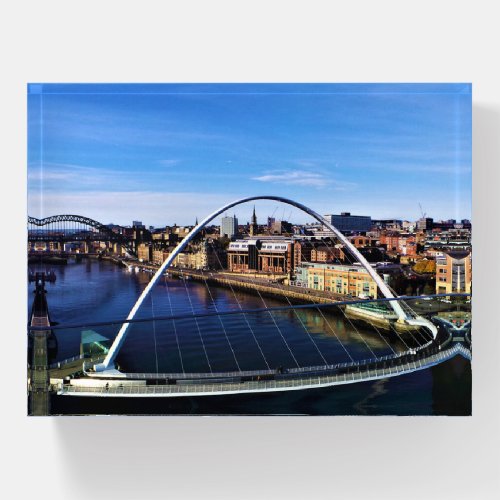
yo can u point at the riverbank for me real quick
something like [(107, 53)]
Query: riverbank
[(384, 319)]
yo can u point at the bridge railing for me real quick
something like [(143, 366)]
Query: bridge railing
[(62, 362), (265, 385)]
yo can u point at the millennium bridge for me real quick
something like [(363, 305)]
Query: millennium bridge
[(430, 339)]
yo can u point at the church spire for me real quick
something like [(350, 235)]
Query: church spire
[(253, 223)]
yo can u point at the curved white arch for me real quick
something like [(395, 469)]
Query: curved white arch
[(120, 338)]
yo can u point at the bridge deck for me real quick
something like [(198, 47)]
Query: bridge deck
[(140, 389)]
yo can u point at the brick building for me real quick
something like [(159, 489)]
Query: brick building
[(265, 255)]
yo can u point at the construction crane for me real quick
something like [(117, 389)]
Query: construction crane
[(422, 211)]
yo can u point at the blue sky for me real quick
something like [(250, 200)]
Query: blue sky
[(171, 153)]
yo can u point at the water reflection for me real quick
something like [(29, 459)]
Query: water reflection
[(92, 291)]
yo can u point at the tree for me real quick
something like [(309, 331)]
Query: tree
[(425, 266)]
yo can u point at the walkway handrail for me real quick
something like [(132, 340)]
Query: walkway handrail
[(276, 384)]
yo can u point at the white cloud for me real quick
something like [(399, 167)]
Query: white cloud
[(304, 178), (294, 177), (169, 162)]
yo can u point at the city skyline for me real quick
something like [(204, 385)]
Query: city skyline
[(262, 221), (171, 153)]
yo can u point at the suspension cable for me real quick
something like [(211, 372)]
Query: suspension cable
[(221, 322), (302, 323), (244, 314), (196, 321), (352, 324), (391, 327), (173, 324), (372, 324), (154, 330), (277, 327)]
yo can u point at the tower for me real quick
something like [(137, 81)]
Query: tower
[(253, 223)]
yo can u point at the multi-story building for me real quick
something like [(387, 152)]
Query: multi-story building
[(347, 223), (391, 224), (160, 255), (326, 253), (408, 226), (280, 227), (407, 245), (425, 224), (269, 255), (401, 244), (361, 241), (206, 255), (390, 241), (165, 237), (454, 272), (302, 250), (342, 279), (144, 252), (229, 227)]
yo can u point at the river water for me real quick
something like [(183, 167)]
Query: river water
[(93, 291)]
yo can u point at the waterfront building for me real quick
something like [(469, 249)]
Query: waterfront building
[(347, 223), (454, 272), (144, 252), (229, 227), (340, 279), (160, 255), (268, 255), (350, 280), (165, 237)]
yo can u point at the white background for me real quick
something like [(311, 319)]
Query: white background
[(271, 41)]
